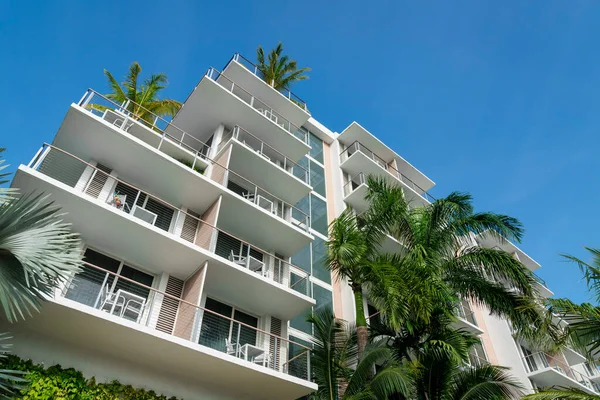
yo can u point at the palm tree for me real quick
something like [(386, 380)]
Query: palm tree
[(142, 100), (37, 252), (435, 267), (561, 394), (583, 319), (278, 70), (342, 374), (438, 357), (353, 249)]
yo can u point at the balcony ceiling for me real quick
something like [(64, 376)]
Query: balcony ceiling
[(551, 377), (210, 105)]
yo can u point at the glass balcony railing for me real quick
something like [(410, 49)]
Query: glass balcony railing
[(250, 66), (264, 150), (354, 183), (97, 182), (238, 337), (358, 147), (258, 105), (464, 312)]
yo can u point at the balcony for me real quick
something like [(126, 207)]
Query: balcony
[(492, 241), (111, 314), (195, 184), (466, 319), (125, 220), (547, 371), (247, 74), (265, 166), (218, 99), (358, 159)]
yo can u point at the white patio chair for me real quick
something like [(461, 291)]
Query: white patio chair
[(108, 299), (135, 307), (263, 359), (231, 348), (238, 259)]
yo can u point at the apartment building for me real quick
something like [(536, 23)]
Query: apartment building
[(204, 237)]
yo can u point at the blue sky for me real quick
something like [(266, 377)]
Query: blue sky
[(500, 100)]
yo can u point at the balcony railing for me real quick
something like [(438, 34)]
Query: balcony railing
[(138, 121), (539, 361), (354, 183), (220, 174), (463, 311), (130, 300), (265, 151), (97, 182), (477, 362), (284, 91), (256, 103), (358, 147)]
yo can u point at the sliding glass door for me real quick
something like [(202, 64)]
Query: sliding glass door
[(219, 332)]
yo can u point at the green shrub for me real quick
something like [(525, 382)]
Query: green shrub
[(197, 168), (69, 384)]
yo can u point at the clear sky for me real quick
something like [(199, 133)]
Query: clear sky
[(500, 100)]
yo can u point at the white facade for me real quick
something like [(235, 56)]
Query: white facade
[(204, 238)]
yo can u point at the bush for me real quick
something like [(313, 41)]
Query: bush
[(69, 384)]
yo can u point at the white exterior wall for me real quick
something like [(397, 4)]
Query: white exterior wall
[(42, 349)]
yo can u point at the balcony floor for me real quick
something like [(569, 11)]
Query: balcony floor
[(86, 328), (467, 326), (156, 250)]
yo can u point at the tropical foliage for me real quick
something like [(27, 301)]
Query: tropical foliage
[(277, 69), (37, 252), (56, 382), (142, 98)]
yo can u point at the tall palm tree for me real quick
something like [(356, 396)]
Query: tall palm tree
[(342, 374), (37, 252), (438, 356), (143, 98), (353, 249), (583, 319), (441, 267), (278, 70)]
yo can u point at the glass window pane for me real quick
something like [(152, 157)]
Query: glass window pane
[(136, 275), (302, 259), (304, 206), (214, 332), (323, 297), (85, 287), (318, 216), (300, 323), (317, 178), (319, 269), (242, 334), (316, 150)]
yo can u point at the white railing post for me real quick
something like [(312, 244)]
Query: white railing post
[(35, 161)]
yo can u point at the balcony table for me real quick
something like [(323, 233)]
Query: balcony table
[(250, 351)]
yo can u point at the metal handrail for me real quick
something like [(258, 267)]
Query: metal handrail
[(153, 292), (124, 107), (269, 113), (557, 365), (347, 189), (296, 99), (378, 160), (84, 102), (40, 155), (286, 161)]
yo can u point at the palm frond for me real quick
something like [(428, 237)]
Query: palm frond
[(117, 94), (561, 394), (37, 251), (484, 383), (11, 381)]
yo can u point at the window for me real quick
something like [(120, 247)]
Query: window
[(302, 259), (318, 215), (323, 298), (224, 333), (93, 286), (319, 269), (316, 145), (317, 178)]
